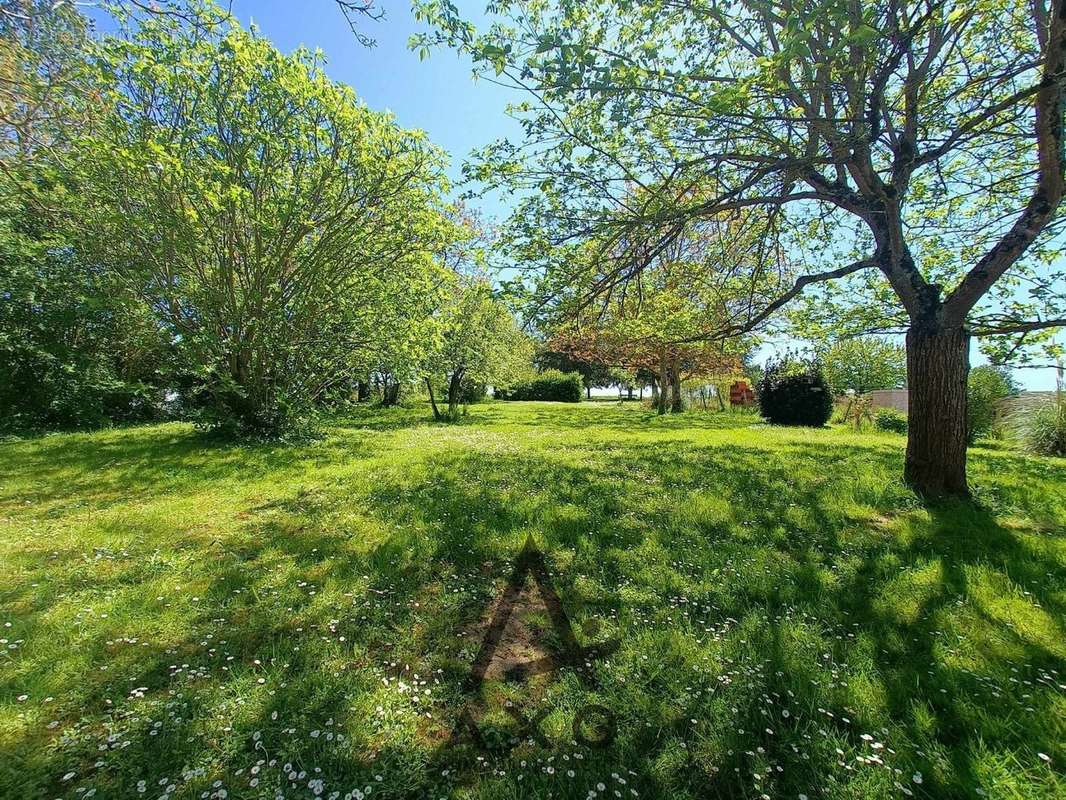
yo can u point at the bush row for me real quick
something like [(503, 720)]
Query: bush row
[(562, 387)]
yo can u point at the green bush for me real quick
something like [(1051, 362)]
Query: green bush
[(470, 392), (1045, 429), (562, 387), (219, 405), (986, 388), (77, 350), (889, 419), (795, 393)]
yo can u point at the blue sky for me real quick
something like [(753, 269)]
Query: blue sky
[(438, 95)]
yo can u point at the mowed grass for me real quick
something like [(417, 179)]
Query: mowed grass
[(185, 619)]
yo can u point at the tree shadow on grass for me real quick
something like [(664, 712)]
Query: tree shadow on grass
[(741, 587), (608, 417), (113, 467), (928, 688)]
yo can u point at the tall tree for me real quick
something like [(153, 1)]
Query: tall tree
[(47, 89), (280, 229), (914, 144), (77, 348), (677, 319), (478, 342), (660, 324), (863, 364)]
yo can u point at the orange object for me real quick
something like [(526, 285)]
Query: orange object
[(740, 394)]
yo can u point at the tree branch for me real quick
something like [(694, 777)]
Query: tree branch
[(1017, 327), (1050, 185), (801, 282)]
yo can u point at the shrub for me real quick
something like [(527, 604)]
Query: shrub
[(986, 388), (563, 387), (840, 413), (1045, 429), (858, 411), (795, 393), (889, 419), (471, 392), (338, 191)]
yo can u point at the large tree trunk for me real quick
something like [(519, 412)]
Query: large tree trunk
[(664, 384), (676, 399), (362, 391), (662, 401), (938, 364), (391, 393)]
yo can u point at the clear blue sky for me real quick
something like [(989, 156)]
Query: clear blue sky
[(438, 95)]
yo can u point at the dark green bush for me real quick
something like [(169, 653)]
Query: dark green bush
[(77, 350), (226, 410), (795, 393), (889, 419), (562, 387), (469, 392)]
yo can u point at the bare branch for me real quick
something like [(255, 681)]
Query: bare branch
[(1016, 327), (782, 300)]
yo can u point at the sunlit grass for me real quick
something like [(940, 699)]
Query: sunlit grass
[(250, 620)]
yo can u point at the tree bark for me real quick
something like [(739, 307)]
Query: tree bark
[(938, 364), (432, 399), (362, 389), (664, 384), (676, 400), (390, 393), (455, 388), (588, 392)]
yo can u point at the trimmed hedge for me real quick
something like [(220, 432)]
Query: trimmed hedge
[(795, 393), (561, 387)]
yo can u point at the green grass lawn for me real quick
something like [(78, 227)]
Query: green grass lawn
[(185, 619)]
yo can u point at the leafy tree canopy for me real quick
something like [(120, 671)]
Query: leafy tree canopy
[(479, 341), (282, 230), (863, 364), (912, 150)]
